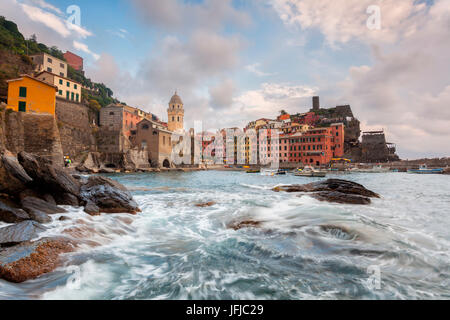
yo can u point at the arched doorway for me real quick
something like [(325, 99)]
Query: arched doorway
[(166, 164)]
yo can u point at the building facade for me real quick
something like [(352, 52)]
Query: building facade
[(175, 114), (157, 140), (46, 62), (120, 117), (74, 60), (67, 88), (28, 94)]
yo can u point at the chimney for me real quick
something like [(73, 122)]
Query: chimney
[(316, 103)]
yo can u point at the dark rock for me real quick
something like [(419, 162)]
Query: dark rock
[(29, 260), (244, 224), (205, 204), (63, 218), (32, 203), (108, 195), (39, 216), (67, 199), (106, 170), (92, 209), (11, 214), (20, 232), (49, 198), (339, 197), (29, 193), (334, 190), (47, 175), (13, 178)]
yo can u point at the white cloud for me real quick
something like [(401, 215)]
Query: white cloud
[(255, 68), (83, 47)]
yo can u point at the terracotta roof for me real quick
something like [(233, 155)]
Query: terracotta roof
[(32, 78)]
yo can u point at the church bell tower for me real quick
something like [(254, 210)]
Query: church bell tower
[(175, 114)]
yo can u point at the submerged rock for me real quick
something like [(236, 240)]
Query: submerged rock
[(39, 216), (334, 190), (92, 209), (205, 204), (47, 175), (20, 232), (32, 203), (236, 225), (108, 195), (11, 214), (29, 260)]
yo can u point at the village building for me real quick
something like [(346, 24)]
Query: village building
[(74, 60), (120, 117), (157, 140), (46, 62), (67, 88), (28, 94)]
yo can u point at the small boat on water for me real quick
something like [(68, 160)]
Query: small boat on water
[(272, 172), (423, 169), (253, 171), (309, 171)]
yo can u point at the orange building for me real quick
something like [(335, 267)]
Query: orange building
[(316, 146), (28, 94)]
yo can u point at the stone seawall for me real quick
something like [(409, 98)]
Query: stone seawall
[(77, 127), (31, 132)]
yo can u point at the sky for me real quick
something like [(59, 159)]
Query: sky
[(236, 61)]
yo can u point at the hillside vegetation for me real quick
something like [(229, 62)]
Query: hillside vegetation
[(14, 60)]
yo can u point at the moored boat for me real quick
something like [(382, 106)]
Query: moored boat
[(253, 171), (423, 169), (309, 171)]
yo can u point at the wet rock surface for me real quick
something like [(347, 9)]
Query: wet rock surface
[(29, 260), (237, 225), (205, 204), (334, 190), (20, 232), (36, 204), (108, 195), (13, 178)]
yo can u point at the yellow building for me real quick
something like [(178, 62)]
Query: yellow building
[(67, 88), (175, 114), (28, 94)]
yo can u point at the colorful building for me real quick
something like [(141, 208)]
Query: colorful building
[(120, 117), (28, 94), (46, 62), (74, 60), (67, 88), (175, 114)]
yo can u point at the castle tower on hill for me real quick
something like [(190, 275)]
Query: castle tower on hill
[(175, 114)]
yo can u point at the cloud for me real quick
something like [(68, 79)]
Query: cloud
[(254, 68), (222, 94), (83, 47), (48, 6), (184, 16), (405, 89)]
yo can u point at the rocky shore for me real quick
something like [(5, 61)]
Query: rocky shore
[(32, 189)]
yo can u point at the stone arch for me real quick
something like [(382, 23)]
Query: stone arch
[(166, 163)]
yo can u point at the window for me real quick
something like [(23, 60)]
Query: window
[(75, 86), (78, 97), (61, 65), (178, 119), (60, 92), (164, 140), (72, 96), (68, 84), (22, 106), (49, 70), (49, 60), (173, 118), (60, 81), (23, 92), (67, 95), (111, 113), (61, 74)]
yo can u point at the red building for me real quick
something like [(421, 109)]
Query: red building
[(74, 60), (314, 147), (309, 118)]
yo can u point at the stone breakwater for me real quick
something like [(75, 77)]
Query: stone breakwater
[(32, 189)]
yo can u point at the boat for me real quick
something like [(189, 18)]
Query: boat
[(253, 171), (374, 169), (423, 169), (309, 171), (272, 172)]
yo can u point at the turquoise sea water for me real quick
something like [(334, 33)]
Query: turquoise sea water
[(395, 248)]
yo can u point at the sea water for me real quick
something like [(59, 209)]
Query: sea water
[(395, 248)]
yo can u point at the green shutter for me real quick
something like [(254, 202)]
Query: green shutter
[(68, 84), (78, 97), (23, 92), (60, 81), (72, 96), (67, 95), (22, 106)]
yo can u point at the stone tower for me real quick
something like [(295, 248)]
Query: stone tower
[(175, 114)]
